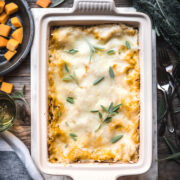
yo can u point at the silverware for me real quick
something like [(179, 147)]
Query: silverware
[(164, 86), (165, 61)]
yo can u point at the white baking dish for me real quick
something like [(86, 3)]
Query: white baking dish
[(86, 13)]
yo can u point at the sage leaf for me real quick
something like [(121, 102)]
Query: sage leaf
[(66, 67), (104, 108), (72, 51), (128, 45), (70, 100), (94, 111), (108, 119), (111, 52), (111, 72), (116, 107), (98, 80), (100, 115), (56, 3), (116, 138), (73, 136), (172, 156)]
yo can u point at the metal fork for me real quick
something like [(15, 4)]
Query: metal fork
[(164, 86), (165, 61)]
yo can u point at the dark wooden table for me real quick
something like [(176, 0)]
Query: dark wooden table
[(168, 170)]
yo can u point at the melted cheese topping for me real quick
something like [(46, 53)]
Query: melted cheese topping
[(75, 134)]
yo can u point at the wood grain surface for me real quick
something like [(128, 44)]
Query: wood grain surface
[(168, 170)]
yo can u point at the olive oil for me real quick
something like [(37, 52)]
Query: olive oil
[(7, 111)]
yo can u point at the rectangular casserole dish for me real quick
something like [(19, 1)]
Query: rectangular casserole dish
[(89, 13)]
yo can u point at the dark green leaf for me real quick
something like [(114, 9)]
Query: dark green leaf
[(172, 156), (72, 51), (104, 108), (94, 111), (111, 52), (172, 147), (108, 119), (56, 3), (128, 45), (110, 107), (116, 107), (111, 72), (98, 80), (67, 78), (100, 115), (66, 67), (73, 76), (70, 100), (73, 136), (116, 138), (99, 127)]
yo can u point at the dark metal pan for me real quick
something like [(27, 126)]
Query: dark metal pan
[(25, 16)]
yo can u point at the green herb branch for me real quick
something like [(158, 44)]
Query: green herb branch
[(20, 95), (70, 77), (92, 49), (110, 112)]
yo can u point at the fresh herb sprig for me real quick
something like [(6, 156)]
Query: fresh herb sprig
[(174, 150), (70, 77), (92, 49), (20, 95), (111, 111)]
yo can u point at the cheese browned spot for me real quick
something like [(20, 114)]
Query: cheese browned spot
[(90, 144)]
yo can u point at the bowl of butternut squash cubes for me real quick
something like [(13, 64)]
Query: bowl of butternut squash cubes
[(16, 33)]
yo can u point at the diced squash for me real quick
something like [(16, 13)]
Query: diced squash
[(11, 8), (4, 30), (2, 4), (1, 79), (3, 42), (3, 18), (9, 54), (18, 35), (43, 3), (16, 22), (6, 87), (12, 44)]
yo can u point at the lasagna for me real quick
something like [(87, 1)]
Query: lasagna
[(93, 94)]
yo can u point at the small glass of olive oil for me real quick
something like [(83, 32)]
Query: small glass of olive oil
[(7, 111)]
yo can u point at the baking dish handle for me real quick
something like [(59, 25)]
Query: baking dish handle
[(92, 6), (94, 177)]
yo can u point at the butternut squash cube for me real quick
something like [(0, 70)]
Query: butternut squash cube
[(2, 4), (11, 8), (3, 42), (1, 79), (9, 54), (16, 22), (3, 18), (43, 3), (4, 30), (12, 44), (6, 87), (18, 35)]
